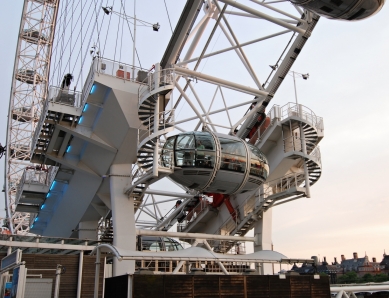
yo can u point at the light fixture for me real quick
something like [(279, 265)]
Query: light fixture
[(107, 9), (274, 67), (156, 27), (305, 76)]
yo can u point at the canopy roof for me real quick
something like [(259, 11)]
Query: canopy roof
[(197, 254)]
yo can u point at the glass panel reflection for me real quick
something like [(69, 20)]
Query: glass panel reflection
[(258, 163), (233, 155), (167, 152), (205, 140)]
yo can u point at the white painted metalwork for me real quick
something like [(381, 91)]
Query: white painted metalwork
[(194, 85), (28, 95), (349, 291), (226, 97)]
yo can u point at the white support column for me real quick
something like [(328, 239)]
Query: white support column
[(80, 267), (57, 280), (157, 74), (97, 274), (198, 36), (122, 216), (263, 232)]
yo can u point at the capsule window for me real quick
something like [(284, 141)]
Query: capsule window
[(233, 155), (258, 163), (185, 153), (205, 154), (205, 140), (167, 152)]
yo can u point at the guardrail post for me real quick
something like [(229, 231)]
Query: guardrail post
[(304, 149), (156, 119)]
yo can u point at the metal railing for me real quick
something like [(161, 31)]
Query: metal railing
[(37, 176), (250, 204), (166, 77), (39, 126), (111, 68), (56, 95), (210, 267), (294, 143), (118, 69), (193, 214), (291, 109), (89, 82), (286, 111), (274, 114), (162, 124), (64, 96)]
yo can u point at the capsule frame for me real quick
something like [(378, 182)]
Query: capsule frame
[(216, 163)]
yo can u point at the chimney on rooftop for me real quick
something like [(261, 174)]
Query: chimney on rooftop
[(342, 258), (325, 261), (374, 260), (355, 254)]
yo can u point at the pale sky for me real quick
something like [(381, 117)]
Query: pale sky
[(348, 66)]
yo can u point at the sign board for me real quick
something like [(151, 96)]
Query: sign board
[(12, 259)]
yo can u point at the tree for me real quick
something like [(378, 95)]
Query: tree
[(381, 277), (368, 278), (348, 278)]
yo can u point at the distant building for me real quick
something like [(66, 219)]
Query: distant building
[(384, 265), (361, 266), (319, 267)]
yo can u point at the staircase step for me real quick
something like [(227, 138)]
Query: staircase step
[(145, 157), (146, 167), (144, 150)]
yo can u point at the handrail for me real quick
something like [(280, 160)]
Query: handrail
[(273, 114), (88, 83), (60, 96), (301, 111), (168, 114), (294, 143), (63, 96), (194, 213), (39, 126), (273, 187), (36, 175), (166, 77), (288, 110)]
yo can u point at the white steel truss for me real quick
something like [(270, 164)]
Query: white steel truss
[(28, 93), (228, 100)]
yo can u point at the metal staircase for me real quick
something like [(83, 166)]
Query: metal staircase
[(288, 187), (62, 109), (152, 95)]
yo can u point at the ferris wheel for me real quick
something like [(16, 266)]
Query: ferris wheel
[(224, 63)]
